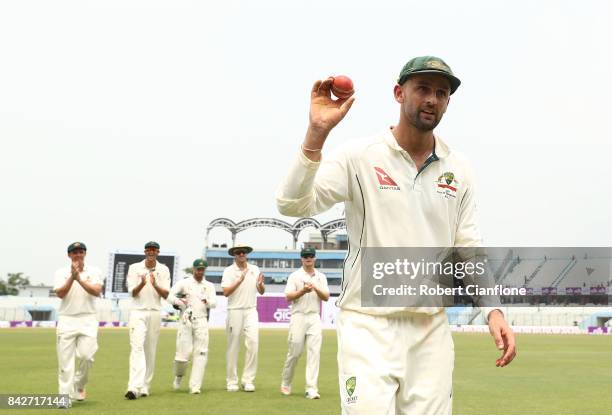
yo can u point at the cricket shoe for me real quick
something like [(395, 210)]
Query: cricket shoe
[(248, 387), (176, 385), (65, 402), (81, 395), (233, 388), (131, 395), (285, 390), (312, 394), (195, 392)]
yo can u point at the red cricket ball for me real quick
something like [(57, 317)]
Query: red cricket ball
[(342, 86)]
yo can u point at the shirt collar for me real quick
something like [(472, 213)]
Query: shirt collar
[(440, 149), (236, 267), (144, 261)]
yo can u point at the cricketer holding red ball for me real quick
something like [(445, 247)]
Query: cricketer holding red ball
[(392, 360)]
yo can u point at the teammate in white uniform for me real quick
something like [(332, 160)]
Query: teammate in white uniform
[(305, 290), (148, 282), (77, 327), (396, 191), (197, 296), (241, 282)]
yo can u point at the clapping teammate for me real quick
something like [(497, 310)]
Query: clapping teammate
[(148, 282), (77, 327), (306, 289), (241, 282)]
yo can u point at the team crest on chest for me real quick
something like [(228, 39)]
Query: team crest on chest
[(447, 185)]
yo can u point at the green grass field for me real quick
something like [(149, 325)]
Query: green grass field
[(552, 375)]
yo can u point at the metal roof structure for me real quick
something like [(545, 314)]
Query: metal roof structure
[(294, 229)]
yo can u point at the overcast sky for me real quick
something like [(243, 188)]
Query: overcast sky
[(125, 121)]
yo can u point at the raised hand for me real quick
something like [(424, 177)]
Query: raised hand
[(76, 269), (152, 278), (325, 113)]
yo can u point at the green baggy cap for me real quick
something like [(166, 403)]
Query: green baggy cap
[(152, 244), (428, 64), (76, 245), (200, 263), (308, 251)]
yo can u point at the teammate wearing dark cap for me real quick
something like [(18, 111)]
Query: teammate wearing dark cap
[(148, 282), (306, 289), (78, 285), (197, 296)]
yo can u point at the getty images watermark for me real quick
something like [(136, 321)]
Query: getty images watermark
[(486, 277)]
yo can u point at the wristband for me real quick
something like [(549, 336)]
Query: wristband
[(311, 149)]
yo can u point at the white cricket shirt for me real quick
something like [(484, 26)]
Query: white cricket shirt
[(194, 293), (309, 302), (388, 203), (245, 296), (77, 301), (147, 298)]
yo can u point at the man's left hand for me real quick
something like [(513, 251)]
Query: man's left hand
[(503, 336), (152, 278)]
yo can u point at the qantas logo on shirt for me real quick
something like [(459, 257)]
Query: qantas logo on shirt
[(385, 181)]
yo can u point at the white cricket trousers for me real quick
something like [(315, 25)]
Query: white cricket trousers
[(395, 365), (144, 333), (239, 321), (76, 338), (192, 340), (304, 329)]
